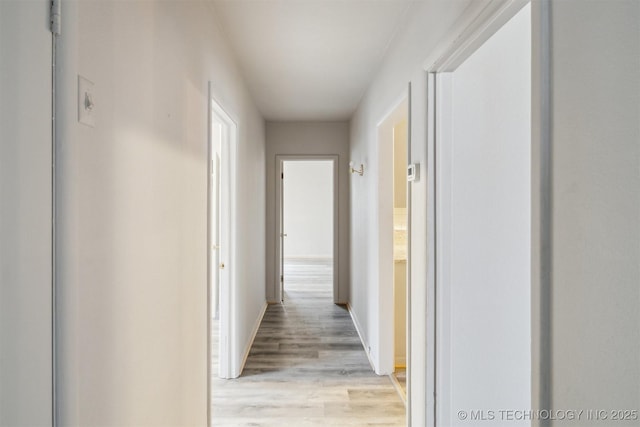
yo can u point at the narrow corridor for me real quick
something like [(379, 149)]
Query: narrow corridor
[(307, 367)]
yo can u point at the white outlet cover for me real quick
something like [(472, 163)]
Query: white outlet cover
[(86, 102)]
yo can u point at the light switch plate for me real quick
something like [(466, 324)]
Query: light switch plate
[(86, 102)]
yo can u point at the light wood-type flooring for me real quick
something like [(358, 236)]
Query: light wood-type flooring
[(307, 366)]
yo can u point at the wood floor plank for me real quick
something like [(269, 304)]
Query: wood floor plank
[(307, 366)]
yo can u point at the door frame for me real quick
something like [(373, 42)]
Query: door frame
[(468, 35), (385, 359), (279, 169), (228, 365)]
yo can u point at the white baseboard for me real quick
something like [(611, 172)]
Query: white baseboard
[(367, 348), (398, 387), (256, 326)]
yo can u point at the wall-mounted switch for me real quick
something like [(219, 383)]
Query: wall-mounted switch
[(86, 102)]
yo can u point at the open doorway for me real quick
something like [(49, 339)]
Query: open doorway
[(220, 242), (400, 249), (393, 250), (307, 223)]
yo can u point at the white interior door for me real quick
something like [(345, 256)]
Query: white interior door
[(283, 234), (221, 235), (223, 264), (214, 228)]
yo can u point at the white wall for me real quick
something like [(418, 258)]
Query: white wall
[(595, 178), (308, 209), (132, 211), (25, 214), (484, 228), (594, 333), (308, 138), (426, 23)]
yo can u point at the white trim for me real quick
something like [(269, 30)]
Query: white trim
[(234, 303), (442, 157), (403, 97), (541, 208), (399, 390), (335, 159), (254, 333), (55, 24), (365, 345), (470, 31), (431, 294), (409, 283)]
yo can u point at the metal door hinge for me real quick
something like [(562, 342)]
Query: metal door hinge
[(282, 175), (56, 16), (281, 279)]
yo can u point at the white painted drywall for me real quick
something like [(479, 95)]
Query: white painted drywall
[(132, 211), (595, 321), (426, 23), (309, 60), (302, 139), (25, 214), (308, 209), (485, 229)]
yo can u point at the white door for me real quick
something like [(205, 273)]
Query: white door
[(283, 234), (221, 194), (214, 228)]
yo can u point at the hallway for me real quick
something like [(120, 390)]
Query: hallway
[(522, 202), (307, 367)]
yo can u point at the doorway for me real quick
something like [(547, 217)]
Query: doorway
[(307, 219), (400, 249), (220, 243), (393, 246)]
